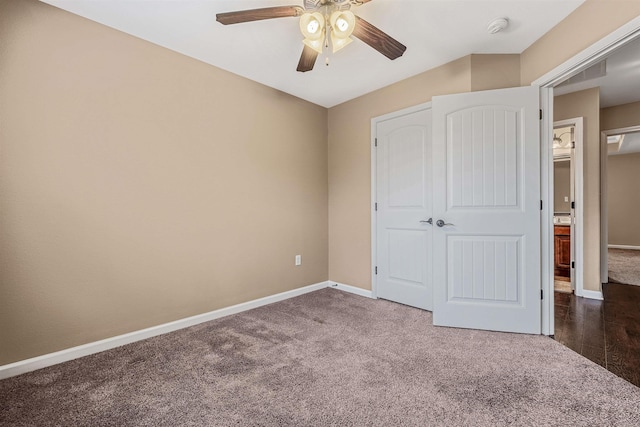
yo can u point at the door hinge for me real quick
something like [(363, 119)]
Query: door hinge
[(573, 205), (375, 144), (573, 144), (376, 206), (540, 204), (542, 294), (573, 264), (541, 114), (376, 269)]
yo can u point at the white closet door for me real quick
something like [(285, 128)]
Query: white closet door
[(404, 237)]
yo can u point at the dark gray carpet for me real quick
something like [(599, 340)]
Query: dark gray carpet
[(325, 358), (624, 266)]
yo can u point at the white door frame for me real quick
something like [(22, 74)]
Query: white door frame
[(583, 60), (604, 194), (578, 224), (374, 184)]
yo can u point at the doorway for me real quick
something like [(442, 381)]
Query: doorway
[(568, 206), (591, 56), (620, 172), (563, 208)]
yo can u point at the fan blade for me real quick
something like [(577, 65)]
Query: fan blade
[(307, 59), (258, 14), (377, 39), (358, 2)]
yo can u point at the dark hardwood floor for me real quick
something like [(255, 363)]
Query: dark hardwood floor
[(606, 332)]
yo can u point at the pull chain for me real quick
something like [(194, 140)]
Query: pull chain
[(326, 40)]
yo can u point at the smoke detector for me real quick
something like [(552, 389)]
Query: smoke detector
[(497, 25)]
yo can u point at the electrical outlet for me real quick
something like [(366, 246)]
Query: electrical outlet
[(298, 259), (566, 199)]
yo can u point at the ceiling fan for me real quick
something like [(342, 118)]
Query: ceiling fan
[(321, 21)]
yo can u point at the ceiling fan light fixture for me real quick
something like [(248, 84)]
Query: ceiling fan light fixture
[(316, 45), (338, 43), (342, 23), (312, 26), (320, 20)]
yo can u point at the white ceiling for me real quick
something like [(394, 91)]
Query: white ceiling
[(621, 84), (434, 31)]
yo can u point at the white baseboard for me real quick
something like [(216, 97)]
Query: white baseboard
[(634, 248), (351, 289), (592, 294), (50, 359)]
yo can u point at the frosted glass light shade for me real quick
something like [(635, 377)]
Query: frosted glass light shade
[(342, 23), (312, 25), (314, 44), (338, 43)]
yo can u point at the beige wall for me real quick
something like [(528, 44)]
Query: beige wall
[(586, 104), (590, 22), (623, 202), (562, 186), (494, 71), (620, 116), (139, 186)]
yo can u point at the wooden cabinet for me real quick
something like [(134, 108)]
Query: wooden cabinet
[(562, 248)]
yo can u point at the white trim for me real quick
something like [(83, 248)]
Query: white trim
[(604, 208), (374, 184), (50, 359), (579, 208), (633, 248), (546, 216), (591, 55), (374, 216), (592, 294), (630, 129), (351, 289)]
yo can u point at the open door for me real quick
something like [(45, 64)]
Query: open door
[(486, 210)]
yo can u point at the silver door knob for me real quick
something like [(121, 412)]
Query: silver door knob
[(427, 221), (441, 223)]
